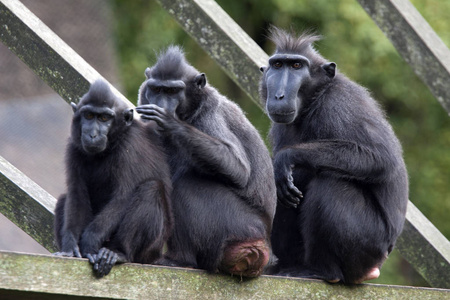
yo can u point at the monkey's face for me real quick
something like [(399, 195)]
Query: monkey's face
[(95, 123), (283, 79), (167, 94)]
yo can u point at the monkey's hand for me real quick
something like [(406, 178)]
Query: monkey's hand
[(288, 194), (89, 243), (104, 260), (168, 122)]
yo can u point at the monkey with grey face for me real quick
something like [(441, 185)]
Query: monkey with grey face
[(223, 187), (341, 181), (117, 206)]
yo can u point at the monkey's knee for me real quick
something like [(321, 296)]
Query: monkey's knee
[(246, 258)]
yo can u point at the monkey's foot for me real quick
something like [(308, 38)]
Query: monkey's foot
[(373, 273), (245, 258), (104, 260)]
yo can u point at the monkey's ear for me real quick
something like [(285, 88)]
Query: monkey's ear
[(262, 69), (148, 73), (128, 116), (330, 69), (200, 80), (74, 107)]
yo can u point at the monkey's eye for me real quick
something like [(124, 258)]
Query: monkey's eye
[(171, 90), (277, 64), (104, 117), (297, 65), (89, 115), (155, 89)]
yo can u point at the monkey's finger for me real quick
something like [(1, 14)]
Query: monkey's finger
[(151, 109), (291, 197), (149, 106), (294, 191), (286, 198), (91, 258), (150, 113), (158, 120), (65, 254), (101, 253), (76, 252), (286, 202), (108, 261), (111, 262), (112, 258)]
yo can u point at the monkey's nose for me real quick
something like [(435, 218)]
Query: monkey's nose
[(279, 96)]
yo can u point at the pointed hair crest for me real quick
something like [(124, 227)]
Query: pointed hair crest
[(287, 42), (171, 64)]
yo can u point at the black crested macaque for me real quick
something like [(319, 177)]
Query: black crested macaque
[(341, 181), (223, 186), (117, 207)]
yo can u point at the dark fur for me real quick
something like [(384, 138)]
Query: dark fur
[(347, 163), (222, 176), (119, 198)]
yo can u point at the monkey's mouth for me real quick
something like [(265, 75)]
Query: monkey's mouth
[(283, 117), (283, 113), (91, 147)]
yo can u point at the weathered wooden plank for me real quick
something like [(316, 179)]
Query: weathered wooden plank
[(424, 247), (45, 53), (46, 275), (416, 42), (26, 204), (219, 35)]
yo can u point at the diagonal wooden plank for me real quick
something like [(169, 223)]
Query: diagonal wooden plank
[(45, 53), (424, 247), (222, 38), (26, 204), (416, 42)]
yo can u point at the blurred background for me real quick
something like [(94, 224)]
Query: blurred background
[(121, 38)]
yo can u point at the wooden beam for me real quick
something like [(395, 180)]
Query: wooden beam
[(27, 205), (45, 53), (60, 278), (416, 42), (425, 248), (219, 35)]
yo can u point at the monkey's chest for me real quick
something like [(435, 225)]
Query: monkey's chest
[(100, 189)]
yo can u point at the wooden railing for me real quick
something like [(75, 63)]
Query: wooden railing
[(31, 208)]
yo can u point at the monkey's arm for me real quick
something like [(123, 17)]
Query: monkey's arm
[(77, 215), (343, 159), (211, 155), (104, 223)]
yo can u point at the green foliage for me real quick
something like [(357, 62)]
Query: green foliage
[(361, 51)]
